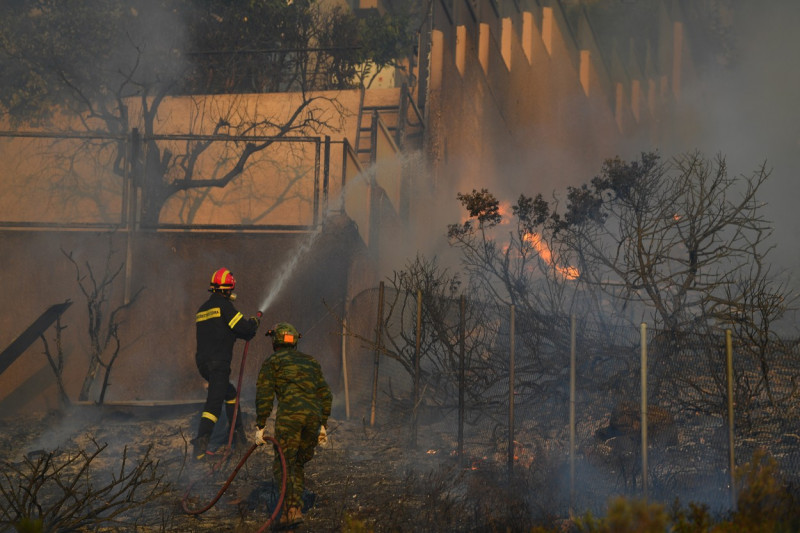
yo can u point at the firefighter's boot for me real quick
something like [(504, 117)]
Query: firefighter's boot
[(200, 447)]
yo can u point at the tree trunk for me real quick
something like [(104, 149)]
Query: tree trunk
[(94, 364)]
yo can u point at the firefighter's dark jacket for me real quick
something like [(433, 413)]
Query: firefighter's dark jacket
[(219, 324)]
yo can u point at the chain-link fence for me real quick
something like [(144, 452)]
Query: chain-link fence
[(560, 400)]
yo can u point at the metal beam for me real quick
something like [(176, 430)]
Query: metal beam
[(33, 332)]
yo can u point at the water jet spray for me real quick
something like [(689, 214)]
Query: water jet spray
[(288, 269)]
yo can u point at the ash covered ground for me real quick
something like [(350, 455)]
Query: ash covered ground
[(366, 479)]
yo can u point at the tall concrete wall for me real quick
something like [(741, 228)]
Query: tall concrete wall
[(520, 101)]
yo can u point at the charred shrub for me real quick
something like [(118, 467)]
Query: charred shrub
[(62, 491)]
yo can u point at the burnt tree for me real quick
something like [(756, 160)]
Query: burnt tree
[(103, 319)]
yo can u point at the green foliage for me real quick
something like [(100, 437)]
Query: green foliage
[(345, 52), (765, 503), (352, 524), (275, 46), (627, 516), (63, 54), (532, 213), (386, 38), (86, 57), (694, 519), (240, 47), (481, 205)]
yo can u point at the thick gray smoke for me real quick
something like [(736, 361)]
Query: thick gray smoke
[(750, 112)]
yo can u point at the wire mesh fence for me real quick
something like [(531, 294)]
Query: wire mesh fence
[(560, 399)]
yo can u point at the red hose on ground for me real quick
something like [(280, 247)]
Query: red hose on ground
[(228, 482), (243, 460), (278, 505)]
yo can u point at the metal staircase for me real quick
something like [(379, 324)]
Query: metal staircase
[(404, 121)]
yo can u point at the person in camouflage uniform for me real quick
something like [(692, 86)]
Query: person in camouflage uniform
[(304, 404)]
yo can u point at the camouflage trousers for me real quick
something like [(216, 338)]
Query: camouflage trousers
[(297, 434)]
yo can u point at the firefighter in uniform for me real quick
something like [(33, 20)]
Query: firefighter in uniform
[(304, 404), (219, 324)]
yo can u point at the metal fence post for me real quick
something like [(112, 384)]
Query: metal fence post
[(417, 349), (326, 175), (731, 453), (378, 337), (461, 370), (344, 370), (317, 165), (572, 416), (643, 415), (511, 396)]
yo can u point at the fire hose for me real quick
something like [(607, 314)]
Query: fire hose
[(224, 457)]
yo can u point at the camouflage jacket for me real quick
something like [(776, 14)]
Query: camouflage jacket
[(296, 380)]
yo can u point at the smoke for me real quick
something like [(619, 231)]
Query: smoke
[(748, 112), (743, 107)]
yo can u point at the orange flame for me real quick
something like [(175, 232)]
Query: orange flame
[(506, 212), (541, 247)]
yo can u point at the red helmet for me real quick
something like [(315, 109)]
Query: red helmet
[(222, 279)]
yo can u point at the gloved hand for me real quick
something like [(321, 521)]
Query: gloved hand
[(256, 319), (322, 438), (259, 438)]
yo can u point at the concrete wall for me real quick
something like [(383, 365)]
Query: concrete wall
[(173, 269), (519, 101)]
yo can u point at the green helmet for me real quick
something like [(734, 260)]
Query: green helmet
[(284, 334)]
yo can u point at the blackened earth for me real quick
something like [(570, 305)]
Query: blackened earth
[(368, 478)]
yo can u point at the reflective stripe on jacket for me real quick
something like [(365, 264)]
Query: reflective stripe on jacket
[(219, 324)]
